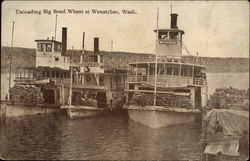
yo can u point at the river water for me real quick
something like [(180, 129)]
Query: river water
[(116, 137)]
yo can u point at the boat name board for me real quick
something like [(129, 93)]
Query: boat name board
[(44, 55), (90, 64)]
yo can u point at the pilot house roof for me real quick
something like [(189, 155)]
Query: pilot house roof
[(45, 40), (167, 30)]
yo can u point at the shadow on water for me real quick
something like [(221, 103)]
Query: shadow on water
[(115, 136)]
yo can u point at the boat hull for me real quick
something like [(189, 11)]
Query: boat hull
[(9, 110), (84, 111), (160, 117)]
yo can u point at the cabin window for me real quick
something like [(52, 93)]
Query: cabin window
[(160, 69), (73, 78), (151, 70), (61, 75), (175, 71), (101, 80), (43, 73), (47, 73), (48, 47), (184, 72), (53, 74), (87, 77), (101, 59), (169, 71), (131, 86), (40, 47), (57, 74)]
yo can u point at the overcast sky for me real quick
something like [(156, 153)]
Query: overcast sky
[(216, 29)]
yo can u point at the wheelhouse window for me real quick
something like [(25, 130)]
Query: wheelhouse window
[(49, 47), (40, 47), (173, 35), (57, 47), (163, 35), (168, 35), (93, 58)]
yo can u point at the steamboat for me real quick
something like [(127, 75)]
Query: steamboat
[(95, 89), (168, 89), (62, 79), (42, 86)]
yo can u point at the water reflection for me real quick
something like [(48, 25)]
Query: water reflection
[(108, 137)]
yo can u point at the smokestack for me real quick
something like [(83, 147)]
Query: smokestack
[(64, 40), (174, 21), (83, 38), (96, 45)]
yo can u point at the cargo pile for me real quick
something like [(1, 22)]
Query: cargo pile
[(229, 98), (28, 95), (166, 100)]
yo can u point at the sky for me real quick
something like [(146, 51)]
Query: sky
[(212, 28)]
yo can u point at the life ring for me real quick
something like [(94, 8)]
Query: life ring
[(86, 69)]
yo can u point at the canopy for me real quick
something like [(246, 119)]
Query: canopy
[(231, 120), (226, 148)]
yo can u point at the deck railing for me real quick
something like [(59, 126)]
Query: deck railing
[(166, 80), (162, 58)]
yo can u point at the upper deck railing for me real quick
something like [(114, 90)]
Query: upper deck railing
[(167, 80), (171, 59)]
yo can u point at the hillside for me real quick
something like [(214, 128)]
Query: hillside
[(25, 57)]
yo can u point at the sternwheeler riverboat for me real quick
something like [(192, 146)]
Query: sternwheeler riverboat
[(168, 89), (94, 88), (42, 86)]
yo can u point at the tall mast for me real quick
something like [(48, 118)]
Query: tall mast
[(10, 61), (71, 77), (111, 45), (55, 27), (156, 56), (171, 8)]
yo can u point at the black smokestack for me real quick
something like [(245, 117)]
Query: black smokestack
[(83, 38), (64, 40), (174, 21), (96, 44)]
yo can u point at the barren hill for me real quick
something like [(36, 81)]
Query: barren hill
[(25, 57)]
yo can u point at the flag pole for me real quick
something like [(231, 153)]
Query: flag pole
[(10, 60), (156, 57)]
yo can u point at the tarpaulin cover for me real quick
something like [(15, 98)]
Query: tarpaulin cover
[(226, 148), (231, 120)]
